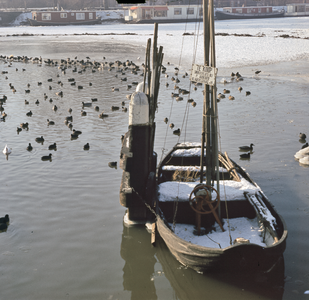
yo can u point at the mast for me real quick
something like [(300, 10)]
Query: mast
[(210, 114)]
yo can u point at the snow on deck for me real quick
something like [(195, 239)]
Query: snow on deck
[(240, 228), (229, 190), (187, 152), (189, 168)]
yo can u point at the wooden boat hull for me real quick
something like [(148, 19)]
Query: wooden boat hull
[(40, 23), (220, 15), (237, 257)]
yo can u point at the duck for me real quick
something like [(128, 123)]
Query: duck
[(240, 88), (103, 115), (77, 132), (52, 146), (248, 93), (115, 107), (26, 102), (305, 146), (165, 120), (24, 125), (55, 107), (70, 110), (112, 164), (172, 125), (47, 157), (302, 136), (50, 122), (37, 102), (88, 104), (19, 129), (83, 113), (86, 146), (246, 148), (7, 150), (74, 136), (177, 131), (29, 147), (5, 219), (246, 155), (96, 108), (231, 97), (69, 118), (29, 113), (39, 139)]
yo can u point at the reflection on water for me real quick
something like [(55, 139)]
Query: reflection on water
[(139, 257), (139, 275)]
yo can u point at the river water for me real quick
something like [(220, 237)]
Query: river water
[(66, 238)]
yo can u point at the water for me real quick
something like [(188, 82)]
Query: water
[(66, 238)]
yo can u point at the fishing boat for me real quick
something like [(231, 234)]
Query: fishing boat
[(209, 212), (249, 12), (60, 18)]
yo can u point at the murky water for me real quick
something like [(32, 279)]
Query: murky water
[(66, 238)]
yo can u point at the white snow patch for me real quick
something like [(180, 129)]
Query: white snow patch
[(232, 190)]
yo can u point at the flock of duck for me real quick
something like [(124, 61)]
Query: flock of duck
[(64, 65)]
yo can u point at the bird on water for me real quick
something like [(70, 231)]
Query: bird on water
[(246, 155), (302, 136), (246, 148), (47, 157)]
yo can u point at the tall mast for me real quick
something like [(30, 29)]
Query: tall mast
[(209, 131)]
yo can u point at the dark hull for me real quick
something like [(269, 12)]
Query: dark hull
[(162, 21), (220, 15), (233, 258), (39, 23)]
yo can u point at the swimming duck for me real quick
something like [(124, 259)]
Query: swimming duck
[(177, 131), (305, 146), (24, 125), (96, 108), (88, 104), (29, 113), (69, 118), (5, 219), (103, 115), (26, 102), (47, 157), (19, 129), (39, 139), (29, 147), (55, 107), (52, 146), (165, 120), (246, 148), (86, 147), (50, 122), (112, 164), (77, 132), (172, 125), (248, 93), (7, 150), (246, 155), (70, 110), (83, 113), (302, 136)]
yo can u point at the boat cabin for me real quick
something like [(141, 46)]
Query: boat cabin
[(163, 13), (249, 9), (63, 16), (297, 10)]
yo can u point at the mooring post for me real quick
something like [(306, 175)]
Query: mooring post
[(134, 159)]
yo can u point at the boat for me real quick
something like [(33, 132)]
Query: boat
[(207, 209), (249, 12), (146, 14), (297, 10), (60, 18)]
